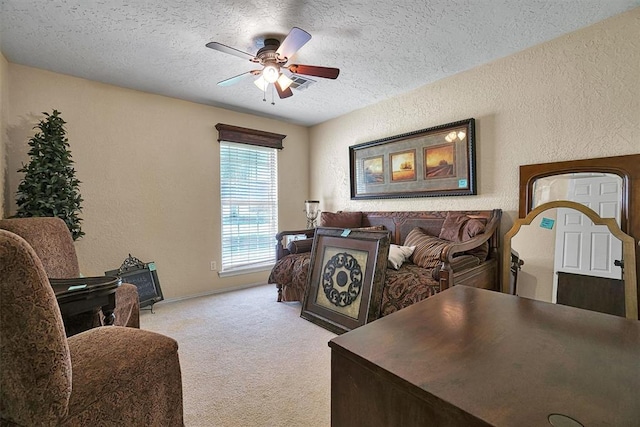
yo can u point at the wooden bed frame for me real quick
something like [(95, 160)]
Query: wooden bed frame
[(486, 275)]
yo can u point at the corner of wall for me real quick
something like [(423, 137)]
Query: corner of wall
[(4, 105)]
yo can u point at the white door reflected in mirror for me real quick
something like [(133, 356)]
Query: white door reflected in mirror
[(563, 240), (587, 248)]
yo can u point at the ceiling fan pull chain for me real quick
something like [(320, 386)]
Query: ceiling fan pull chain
[(272, 99)]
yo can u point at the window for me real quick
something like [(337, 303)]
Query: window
[(249, 199)]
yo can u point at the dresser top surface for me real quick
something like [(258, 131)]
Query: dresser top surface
[(507, 360)]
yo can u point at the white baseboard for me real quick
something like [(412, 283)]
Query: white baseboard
[(216, 291)]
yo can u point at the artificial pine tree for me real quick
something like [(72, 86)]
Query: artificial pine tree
[(49, 187)]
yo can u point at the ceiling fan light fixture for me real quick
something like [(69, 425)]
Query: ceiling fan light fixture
[(271, 73), (261, 83), (284, 81)]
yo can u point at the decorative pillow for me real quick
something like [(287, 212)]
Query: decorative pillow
[(428, 248), (300, 246), (472, 228), (452, 226), (341, 219), (398, 255), (457, 264), (458, 227)]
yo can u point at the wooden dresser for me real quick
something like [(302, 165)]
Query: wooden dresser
[(472, 357)]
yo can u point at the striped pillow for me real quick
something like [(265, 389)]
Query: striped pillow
[(428, 248)]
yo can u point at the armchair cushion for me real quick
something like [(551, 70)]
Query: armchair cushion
[(428, 248), (104, 357)]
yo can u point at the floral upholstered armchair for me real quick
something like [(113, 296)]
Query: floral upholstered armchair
[(107, 376)]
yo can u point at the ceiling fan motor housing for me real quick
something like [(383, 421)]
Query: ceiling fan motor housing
[(268, 54)]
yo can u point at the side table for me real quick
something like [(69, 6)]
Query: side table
[(86, 295)]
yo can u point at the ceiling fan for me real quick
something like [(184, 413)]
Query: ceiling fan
[(274, 57)]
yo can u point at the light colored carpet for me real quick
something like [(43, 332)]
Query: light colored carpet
[(248, 360)]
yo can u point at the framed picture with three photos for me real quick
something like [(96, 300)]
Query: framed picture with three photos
[(438, 161)]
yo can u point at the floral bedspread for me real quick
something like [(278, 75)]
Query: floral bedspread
[(402, 288), (291, 272)]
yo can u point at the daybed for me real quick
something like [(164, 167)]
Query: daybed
[(452, 248)]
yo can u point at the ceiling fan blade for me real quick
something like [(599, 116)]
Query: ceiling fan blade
[(235, 79), (294, 41), (230, 50), (312, 70), (283, 93)]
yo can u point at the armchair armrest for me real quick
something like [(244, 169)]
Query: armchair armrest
[(281, 251)]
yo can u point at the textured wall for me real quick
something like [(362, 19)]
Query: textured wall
[(571, 98), (148, 163), (4, 105), (150, 175)]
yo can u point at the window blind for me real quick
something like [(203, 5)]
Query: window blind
[(249, 200)]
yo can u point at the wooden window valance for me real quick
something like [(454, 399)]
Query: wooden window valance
[(249, 136)]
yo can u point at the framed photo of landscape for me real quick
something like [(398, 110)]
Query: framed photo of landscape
[(403, 166), (438, 161), (346, 276)]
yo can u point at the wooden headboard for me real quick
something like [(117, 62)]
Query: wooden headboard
[(401, 223)]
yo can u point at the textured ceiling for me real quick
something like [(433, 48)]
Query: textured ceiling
[(382, 49)]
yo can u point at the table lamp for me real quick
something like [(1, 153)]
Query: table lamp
[(312, 212)]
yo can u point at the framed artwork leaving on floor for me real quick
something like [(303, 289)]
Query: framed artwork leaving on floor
[(347, 271), (438, 161)]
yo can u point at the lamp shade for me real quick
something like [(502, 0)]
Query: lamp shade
[(261, 83), (284, 81)]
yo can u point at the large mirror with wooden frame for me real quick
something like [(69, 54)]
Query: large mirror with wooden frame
[(616, 179), (568, 254)]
